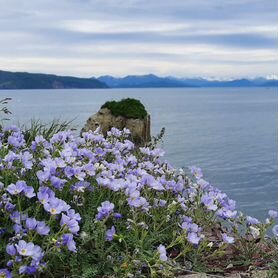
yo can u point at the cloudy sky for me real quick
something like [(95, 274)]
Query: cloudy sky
[(221, 38)]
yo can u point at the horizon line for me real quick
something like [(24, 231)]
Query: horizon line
[(208, 78)]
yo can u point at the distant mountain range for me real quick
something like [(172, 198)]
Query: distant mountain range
[(25, 80), (153, 81), (143, 81)]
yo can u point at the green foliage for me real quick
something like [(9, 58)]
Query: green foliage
[(129, 108), (47, 130), (273, 273), (156, 140)]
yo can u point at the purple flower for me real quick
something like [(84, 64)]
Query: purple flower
[(37, 253), (29, 192), (226, 214), (252, 221), (5, 273), (79, 174), (26, 159), (17, 228), (273, 214), (73, 215), (2, 231), (42, 228), (197, 172), (10, 158), (60, 137), (227, 239), (275, 230), (10, 249), (15, 189), (57, 182), (117, 215), (208, 201), (60, 163), (67, 239), (9, 207), (81, 186), (19, 187), (114, 132), (157, 152), (104, 210), (109, 235), (190, 227), (126, 131), (25, 249), (229, 204), (162, 253), (56, 206), (16, 140), (29, 270), (135, 200), (145, 151), (31, 223), (45, 194), (10, 263), (16, 217), (89, 169), (11, 128), (69, 171), (202, 183), (49, 165), (38, 140), (156, 185), (43, 176), (162, 203), (72, 224), (193, 238), (138, 202), (187, 219)]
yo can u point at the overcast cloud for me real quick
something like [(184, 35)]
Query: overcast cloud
[(224, 38)]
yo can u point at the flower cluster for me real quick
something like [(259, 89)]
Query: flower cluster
[(31, 214), (118, 197)]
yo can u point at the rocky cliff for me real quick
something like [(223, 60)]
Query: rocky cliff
[(140, 128)]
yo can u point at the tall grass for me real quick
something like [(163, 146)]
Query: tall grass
[(47, 130), (4, 109)]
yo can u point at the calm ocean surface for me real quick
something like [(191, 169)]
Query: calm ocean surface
[(231, 133)]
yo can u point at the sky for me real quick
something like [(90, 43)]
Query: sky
[(184, 38)]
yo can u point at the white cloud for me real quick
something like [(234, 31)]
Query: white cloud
[(93, 26), (94, 37)]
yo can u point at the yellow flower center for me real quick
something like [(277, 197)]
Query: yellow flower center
[(23, 251), (124, 265), (53, 211)]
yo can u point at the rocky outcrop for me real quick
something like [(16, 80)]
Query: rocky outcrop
[(140, 128)]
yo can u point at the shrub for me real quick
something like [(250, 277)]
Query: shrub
[(91, 206), (129, 108)]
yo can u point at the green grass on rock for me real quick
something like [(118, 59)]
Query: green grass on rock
[(129, 107)]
